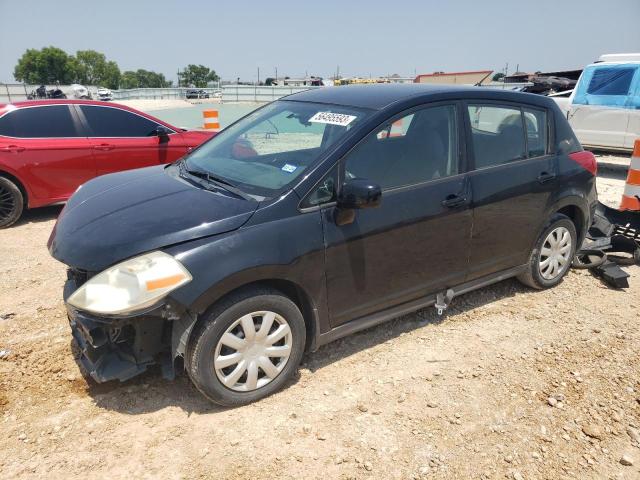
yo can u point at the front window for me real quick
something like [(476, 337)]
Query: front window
[(112, 122), (413, 149), (609, 85), (265, 152), (611, 81)]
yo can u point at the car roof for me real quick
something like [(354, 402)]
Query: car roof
[(65, 101), (381, 96), (60, 101)]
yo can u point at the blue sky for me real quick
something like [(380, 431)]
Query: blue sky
[(298, 37)]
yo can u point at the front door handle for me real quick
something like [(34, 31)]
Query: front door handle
[(454, 201), (12, 149), (104, 147), (545, 177)]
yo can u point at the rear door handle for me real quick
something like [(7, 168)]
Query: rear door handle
[(454, 201), (545, 177), (104, 147), (12, 149)]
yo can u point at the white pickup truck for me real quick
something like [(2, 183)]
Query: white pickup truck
[(604, 107)]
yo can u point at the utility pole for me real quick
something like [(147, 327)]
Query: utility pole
[(276, 75), (258, 75)]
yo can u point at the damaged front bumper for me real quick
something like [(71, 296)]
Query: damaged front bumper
[(121, 347)]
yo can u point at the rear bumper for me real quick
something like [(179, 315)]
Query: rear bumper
[(118, 348)]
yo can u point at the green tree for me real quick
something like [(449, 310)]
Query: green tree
[(128, 79), (197, 76), (46, 66), (143, 79), (498, 77), (94, 69), (111, 75)]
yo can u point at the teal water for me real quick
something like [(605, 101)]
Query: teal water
[(191, 117)]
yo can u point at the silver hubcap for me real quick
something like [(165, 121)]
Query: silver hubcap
[(253, 351), (555, 254)]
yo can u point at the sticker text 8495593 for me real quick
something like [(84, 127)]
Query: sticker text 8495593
[(340, 119)]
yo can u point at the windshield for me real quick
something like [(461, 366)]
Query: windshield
[(263, 153)]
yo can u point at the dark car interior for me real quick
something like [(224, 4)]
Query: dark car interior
[(425, 152)]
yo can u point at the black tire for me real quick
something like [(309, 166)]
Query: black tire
[(11, 202), (199, 360), (532, 277)]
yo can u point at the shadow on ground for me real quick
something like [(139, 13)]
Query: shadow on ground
[(149, 392), (38, 215)]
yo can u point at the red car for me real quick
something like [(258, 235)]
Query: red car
[(48, 148)]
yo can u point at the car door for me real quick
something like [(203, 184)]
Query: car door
[(416, 242), (633, 126), (46, 146), (600, 109), (513, 175), (122, 140)]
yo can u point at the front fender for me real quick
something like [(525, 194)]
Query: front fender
[(288, 250)]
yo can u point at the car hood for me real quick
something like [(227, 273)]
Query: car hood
[(117, 216)]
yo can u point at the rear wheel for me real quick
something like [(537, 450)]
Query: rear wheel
[(247, 347), (11, 202), (552, 255)]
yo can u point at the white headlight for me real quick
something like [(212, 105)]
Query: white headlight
[(131, 285)]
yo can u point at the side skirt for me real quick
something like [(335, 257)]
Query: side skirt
[(369, 321)]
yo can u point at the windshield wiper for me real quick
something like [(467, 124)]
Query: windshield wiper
[(217, 181)]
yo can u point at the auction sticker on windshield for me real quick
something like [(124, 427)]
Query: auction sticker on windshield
[(333, 118)]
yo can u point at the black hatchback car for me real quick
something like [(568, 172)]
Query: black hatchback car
[(316, 216)]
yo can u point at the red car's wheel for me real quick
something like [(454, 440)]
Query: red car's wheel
[(11, 202)]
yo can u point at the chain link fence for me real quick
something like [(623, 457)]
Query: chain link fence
[(15, 92)]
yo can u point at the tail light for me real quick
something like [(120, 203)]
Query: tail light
[(587, 160)]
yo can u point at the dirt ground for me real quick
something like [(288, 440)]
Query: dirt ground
[(511, 383)]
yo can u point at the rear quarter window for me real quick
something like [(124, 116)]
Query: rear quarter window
[(535, 121), (52, 121)]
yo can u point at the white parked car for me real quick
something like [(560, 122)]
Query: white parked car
[(80, 91), (604, 107), (104, 94)]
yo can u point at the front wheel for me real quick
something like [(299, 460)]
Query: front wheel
[(11, 202), (552, 255), (247, 347)]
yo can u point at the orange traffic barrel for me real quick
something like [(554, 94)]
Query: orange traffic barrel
[(631, 196), (211, 121)]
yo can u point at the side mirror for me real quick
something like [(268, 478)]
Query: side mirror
[(359, 193), (162, 133)]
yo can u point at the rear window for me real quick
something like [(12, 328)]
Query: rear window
[(51, 121), (498, 134), (113, 122)]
